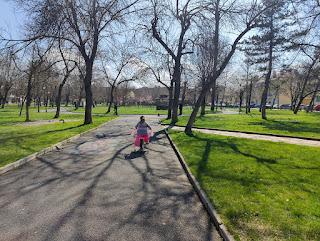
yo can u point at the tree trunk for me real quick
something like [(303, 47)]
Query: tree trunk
[(24, 99), (240, 100), (217, 100), (170, 100), (203, 103), (203, 107), (58, 101), (195, 111), (301, 98), (28, 99), (267, 80), (1, 97), (111, 99), (213, 96), (67, 98), (274, 99), (38, 104), (266, 85), (249, 98), (175, 103), (4, 98), (183, 97), (310, 107)]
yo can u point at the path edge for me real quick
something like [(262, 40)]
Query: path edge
[(202, 195), (250, 132), (33, 156)]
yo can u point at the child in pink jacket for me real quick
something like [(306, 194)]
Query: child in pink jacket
[(142, 132)]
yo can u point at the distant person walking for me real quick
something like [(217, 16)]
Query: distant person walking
[(115, 108)]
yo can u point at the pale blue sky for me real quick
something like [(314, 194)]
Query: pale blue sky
[(10, 19)]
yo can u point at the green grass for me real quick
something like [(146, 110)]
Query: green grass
[(17, 142), (137, 110), (278, 122), (262, 190)]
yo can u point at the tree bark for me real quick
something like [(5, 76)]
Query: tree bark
[(28, 96), (301, 96), (111, 99), (240, 99), (310, 107), (249, 98), (177, 82), (4, 99), (216, 75), (87, 87), (58, 101), (203, 107), (170, 101), (267, 79), (213, 96), (195, 111)]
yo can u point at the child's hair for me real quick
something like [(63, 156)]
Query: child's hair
[(142, 119)]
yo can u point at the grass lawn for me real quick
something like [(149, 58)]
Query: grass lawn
[(278, 122), (262, 190), (138, 110), (17, 142)]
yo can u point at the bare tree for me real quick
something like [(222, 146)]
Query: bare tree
[(162, 73), (69, 67), (314, 60), (36, 65), (116, 72), (250, 16), (8, 75), (183, 13), (81, 23)]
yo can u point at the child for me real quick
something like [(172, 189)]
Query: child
[(142, 133)]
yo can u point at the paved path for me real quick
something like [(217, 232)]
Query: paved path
[(63, 110), (96, 188), (289, 140)]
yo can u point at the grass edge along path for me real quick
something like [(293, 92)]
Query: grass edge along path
[(33, 139), (279, 122), (261, 190)]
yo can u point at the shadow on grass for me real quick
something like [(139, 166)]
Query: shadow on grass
[(211, 144), (211, 171), (289, 126)]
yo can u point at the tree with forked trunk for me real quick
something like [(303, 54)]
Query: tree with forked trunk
[(250, 15), (79, 22)]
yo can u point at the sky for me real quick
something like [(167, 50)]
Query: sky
[(10, 17)]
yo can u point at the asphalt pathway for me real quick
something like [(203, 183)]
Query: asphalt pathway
[(97, 188)]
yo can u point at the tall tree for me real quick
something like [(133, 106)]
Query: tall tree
[(82, 23), (69, 66), (119, 71), (248, 14), (184, 13), (315, 59), (8, 75), (266, 45)]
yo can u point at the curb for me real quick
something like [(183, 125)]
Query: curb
[(202, 195), (33, 156), (249, 132)]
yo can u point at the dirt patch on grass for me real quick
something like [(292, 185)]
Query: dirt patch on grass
[(41, 122)]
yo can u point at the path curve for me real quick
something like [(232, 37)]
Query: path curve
[(289, 140)]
